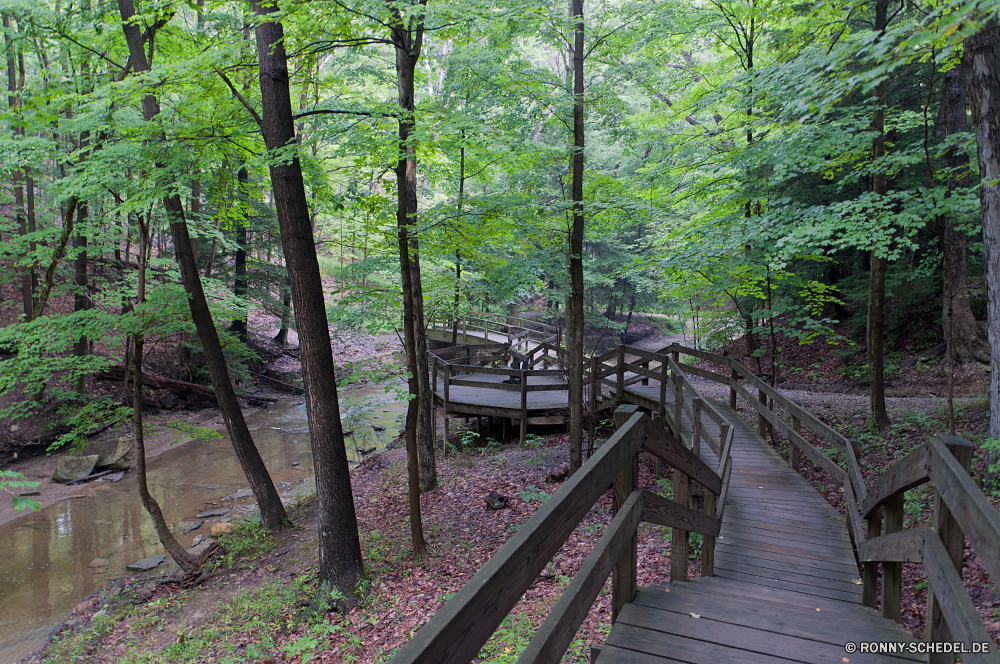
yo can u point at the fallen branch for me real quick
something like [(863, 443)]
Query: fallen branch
[(92, 477), (201, 392)]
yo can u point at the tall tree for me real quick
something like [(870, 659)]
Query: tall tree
[(185, 560), (876, 284), (961, 331), (340, 562), (576, 321), (271, 510), (408, 39), (981, 57)]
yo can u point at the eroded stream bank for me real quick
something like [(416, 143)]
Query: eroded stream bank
[(45, 555)]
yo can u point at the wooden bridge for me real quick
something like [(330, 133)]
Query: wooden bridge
[(784, 576)]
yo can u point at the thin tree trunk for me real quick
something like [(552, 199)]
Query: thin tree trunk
[(271, 510), (215, 247), (281, 338), (407, 43), (187, 562), (458, 254), (195, 214), (239, 326), (876, 284), (81, 292), (576, 253), (340, 562), (981, 57)]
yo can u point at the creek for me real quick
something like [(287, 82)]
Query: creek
[(45, 555)]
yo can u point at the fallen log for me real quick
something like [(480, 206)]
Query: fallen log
[(194, 391)]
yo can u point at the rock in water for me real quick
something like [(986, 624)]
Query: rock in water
[(147, 564), (75, 468), (99, 562), (222, 511), (188, 526), (122, 457)]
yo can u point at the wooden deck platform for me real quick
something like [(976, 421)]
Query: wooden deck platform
[(480, 401), (787, 587)]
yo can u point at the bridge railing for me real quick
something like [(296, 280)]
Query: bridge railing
[(466, 622), (448, 365), (521, 333), (875, 515)]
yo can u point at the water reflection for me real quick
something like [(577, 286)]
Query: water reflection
[(44, 556)]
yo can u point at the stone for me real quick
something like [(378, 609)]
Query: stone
[(147, 564), (197, 540), (99, 562), (30, 493), (116, 477), (219, 512), (122, 457), (188, 526), (75, 468), (242, 493), (201, 547), (221, 529)]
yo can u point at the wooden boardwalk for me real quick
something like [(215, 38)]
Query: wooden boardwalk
[(786, 585)]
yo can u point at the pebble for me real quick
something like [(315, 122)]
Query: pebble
[(219, 512)]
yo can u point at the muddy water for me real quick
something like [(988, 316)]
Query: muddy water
[(44, 556)]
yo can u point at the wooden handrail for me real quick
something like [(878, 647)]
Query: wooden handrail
[(460, 628)]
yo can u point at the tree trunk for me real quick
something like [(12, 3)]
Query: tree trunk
[(576, 253), (239, 326), (408, 43), (876, 283), (180, 555), (961, 330), (81, 293), (13, 101), (281, 338), (272, 512), (981, 58), (195, 214), (340, 562)]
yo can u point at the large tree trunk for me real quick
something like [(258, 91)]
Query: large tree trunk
[(408, 43), (272, 512), (340, 562), (180, 555), (961, 331), (239, 326), (13, 101), (876, 283), (981, 58), (576, 253)]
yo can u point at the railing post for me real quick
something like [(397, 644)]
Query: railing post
[(892, 573), (624, 576), (954, 543), (465, 329), (620, 396), (679, 538), (734, 376), (869, 592), (595, 386), (794, 453), (645, 378), (524, 405), (434, 371), (447, 381), (678, 400), (761, 420), (707, 542), (696, 426), (664, 377)]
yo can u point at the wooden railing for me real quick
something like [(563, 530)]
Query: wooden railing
[(521, 333), (464, 624), (874, 516), (451, 363)]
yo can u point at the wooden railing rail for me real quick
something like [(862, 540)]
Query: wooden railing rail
[(961, 512)]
